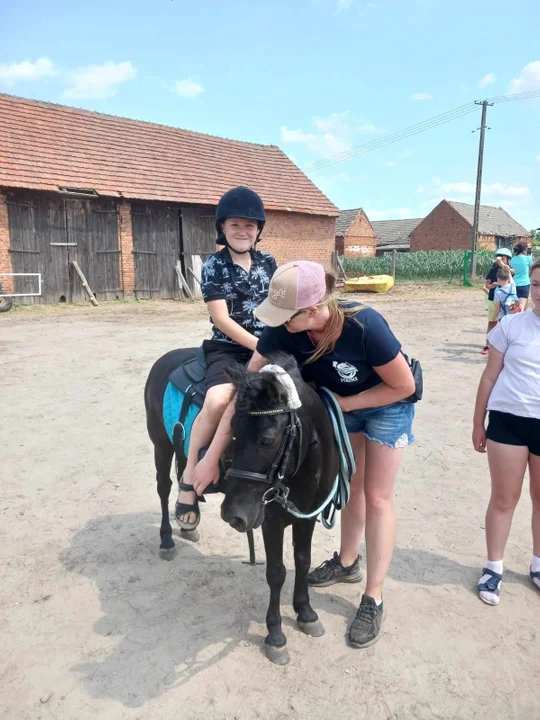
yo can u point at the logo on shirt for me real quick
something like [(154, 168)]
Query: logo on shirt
[(346, 371)]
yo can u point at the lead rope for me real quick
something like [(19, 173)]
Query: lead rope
[(341, 489)]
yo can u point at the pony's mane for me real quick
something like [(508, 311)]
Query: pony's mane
[(261, 390)]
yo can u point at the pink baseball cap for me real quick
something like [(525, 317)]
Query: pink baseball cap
[(294, 286)]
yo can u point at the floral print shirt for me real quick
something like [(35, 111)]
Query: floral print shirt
[(222, 279)]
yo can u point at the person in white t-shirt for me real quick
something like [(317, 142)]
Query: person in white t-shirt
[(510, 390)]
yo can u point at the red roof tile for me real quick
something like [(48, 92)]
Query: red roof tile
[(45, 146)]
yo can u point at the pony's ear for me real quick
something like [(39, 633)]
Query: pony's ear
[(236, 373)]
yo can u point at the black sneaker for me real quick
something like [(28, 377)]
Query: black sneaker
[(332, 571), (366, 626)]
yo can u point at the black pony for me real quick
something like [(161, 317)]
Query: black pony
[(281, 459)]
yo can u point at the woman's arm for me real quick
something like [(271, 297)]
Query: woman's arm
[(222, 320), (397, 384), (257, 362), (487, 382)]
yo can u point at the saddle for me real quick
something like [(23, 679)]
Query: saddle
[(182, 401)]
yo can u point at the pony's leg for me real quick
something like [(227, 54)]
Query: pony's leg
[(307, 618), (275, 643), (162, 459)]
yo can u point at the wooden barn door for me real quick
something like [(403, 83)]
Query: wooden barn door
[(198, 241), (38, 244), (92, 231), (156, 248)]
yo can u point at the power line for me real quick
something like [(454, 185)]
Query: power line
[(394, 137), (528, 95), (446, 117)]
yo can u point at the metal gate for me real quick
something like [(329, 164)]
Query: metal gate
[(156, 248), (48, 232)]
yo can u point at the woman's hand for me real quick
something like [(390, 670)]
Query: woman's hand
[(206, 472), (479, 438)]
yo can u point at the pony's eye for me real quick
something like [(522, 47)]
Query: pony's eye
[(267, 441)]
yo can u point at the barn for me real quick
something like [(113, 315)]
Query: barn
[(128, 199), (449, 226), (355, 236)]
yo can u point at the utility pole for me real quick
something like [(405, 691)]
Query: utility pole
[(484, 105)]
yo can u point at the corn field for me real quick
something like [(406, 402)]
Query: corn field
[(429, 265)]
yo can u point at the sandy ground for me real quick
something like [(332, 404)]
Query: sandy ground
[(93, 623)]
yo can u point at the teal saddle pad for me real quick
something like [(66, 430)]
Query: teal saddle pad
[(172, 404)]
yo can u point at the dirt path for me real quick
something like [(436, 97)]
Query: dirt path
[(94, 624)]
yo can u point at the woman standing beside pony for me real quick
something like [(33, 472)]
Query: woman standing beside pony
[(351, 351)]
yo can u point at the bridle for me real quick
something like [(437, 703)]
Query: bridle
[(274, 477)]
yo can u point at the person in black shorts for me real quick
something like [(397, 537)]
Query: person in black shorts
[(510, 390), (234, 282)]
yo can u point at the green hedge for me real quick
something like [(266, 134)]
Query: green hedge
[(429, 265)]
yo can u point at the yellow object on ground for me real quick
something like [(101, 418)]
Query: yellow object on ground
[(369, 283)]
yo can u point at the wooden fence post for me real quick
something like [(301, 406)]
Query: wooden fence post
[(393, 266)]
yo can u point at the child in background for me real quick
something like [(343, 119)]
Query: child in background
[(505, 297), (502, 260)]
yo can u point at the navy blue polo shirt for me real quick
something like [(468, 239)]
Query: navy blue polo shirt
[(222, 279), (366, 342)]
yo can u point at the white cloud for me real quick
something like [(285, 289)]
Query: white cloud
[(496, 193), (399, 213), (344, 4), (528, 78), (98, 81), (11, 73), (409, 153), (421, 96), (188, 88), (498, 190), (330, 183), (488, 79), (333, 135), (538, 158), (369, 129)]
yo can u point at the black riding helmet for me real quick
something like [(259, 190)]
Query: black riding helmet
[(240, 202)]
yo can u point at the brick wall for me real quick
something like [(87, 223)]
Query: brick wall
[(5, 256), (127, 259), (442, 229), (360, 239), (294, 236)]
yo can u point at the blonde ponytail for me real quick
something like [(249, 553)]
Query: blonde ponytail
[(338, 313)]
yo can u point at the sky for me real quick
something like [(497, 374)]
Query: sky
[(315, 77)]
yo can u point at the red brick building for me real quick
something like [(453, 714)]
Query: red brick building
[(394, 234), (355, 236), (449, 227), (128, 199)]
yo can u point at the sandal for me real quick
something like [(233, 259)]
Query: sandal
[(535, 576), (184, 508), (492, 586)]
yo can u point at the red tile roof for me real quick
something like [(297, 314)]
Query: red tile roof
[(45, 146)]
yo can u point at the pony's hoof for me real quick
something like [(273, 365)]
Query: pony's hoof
[(167, 553), (277, 655), (313, 629), (191, 535)]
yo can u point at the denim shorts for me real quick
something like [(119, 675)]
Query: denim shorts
[(523, 291), (388, 425)]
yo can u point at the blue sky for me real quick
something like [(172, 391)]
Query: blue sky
[(315, 77)]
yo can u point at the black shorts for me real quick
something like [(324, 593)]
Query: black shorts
[(221, 355), (522, 291), (514, 430)]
